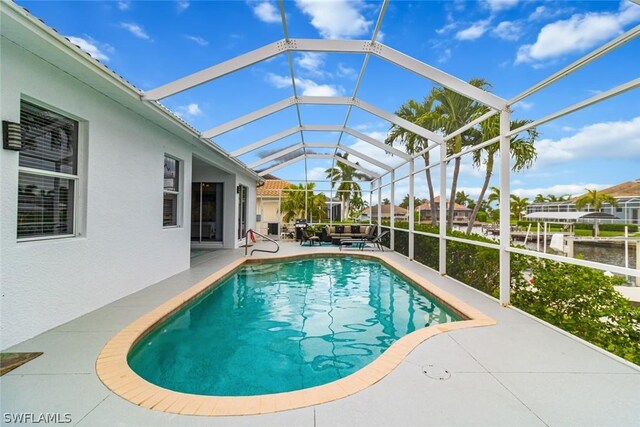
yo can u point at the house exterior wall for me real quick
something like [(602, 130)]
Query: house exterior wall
[(121, 246), (267, 208)]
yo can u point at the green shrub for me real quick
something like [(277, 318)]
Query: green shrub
[(582, 301), (482, 217), (618, 227), (583, 226)]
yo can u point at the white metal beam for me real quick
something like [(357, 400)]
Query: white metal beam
[(399, 121), (219, 70), (248, 118), (366, 158), (356, 166), (381, 145), (402, 60), (588, 58), (633, 84), (283, 164), (322, 100), (275, 155), (266, 141), (325, 45), (319, 156), (365, 138), (471, 124)]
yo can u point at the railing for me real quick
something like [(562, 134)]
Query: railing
[(246, 243)]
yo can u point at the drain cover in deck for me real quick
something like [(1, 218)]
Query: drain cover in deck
[(436, 372)]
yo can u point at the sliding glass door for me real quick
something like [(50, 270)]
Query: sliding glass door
[(206, 211), (242, 211)]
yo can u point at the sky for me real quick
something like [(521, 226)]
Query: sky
[(513, 44)]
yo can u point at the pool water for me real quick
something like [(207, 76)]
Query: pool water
[(277, 327)]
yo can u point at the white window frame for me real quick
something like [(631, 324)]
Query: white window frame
[(179, 192), (77, 182)]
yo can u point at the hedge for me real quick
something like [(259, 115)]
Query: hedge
[(578, 299)]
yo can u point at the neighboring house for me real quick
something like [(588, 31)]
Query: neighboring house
[(461, 214), (108, 191), (399, 213), (627, 196), (268, 204)]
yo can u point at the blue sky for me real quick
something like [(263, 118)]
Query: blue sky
[(513, 44)]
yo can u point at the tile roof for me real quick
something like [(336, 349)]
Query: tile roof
[(626, 189), (272, 187)]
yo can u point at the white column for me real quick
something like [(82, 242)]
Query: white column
[(379, 203), (505, 208), (411, 210), (370, 201), (443, 210), (392, 211)]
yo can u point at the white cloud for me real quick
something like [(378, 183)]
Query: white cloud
[(312, 63), (267, 12), (317, 173), (124, 5), (475, 31), (135, 29), (90, 46), (189, 110), (619, 140), (450, 26), (198, 40), (446, 55), (182, 5), (508, 30), (543, 12), (345, 71), (498, 5), (307, 86), (336, 19), (523, 105), (578, 33)]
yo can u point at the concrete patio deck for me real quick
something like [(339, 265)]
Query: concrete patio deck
[(519, 372)]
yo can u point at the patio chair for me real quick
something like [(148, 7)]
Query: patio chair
[(361, 243), (309, 236)]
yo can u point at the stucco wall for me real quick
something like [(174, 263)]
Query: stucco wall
[(123, 246)]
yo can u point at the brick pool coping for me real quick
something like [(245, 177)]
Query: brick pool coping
[(114, 371)]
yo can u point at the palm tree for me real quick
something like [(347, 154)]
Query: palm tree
[(554, 198), (301, 197), (345, 175), (463, 198), (494, 196), (595, 199), (421, 114), (518, 205), (452, 111), (539, 199), (522, 151)]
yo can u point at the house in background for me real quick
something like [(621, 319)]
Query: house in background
[(103, 194), (268, 198), (461, 214), (626, 194), (399, 213)]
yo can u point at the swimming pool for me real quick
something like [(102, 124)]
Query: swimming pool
[(277, 327), (323, 327)]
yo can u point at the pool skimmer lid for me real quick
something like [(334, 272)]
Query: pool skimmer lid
[(436, 372)]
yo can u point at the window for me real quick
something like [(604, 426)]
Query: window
[(171, 194), (47, 173), (242, 211)]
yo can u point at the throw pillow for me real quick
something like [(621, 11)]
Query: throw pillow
[(355, 229), (339, 229)]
